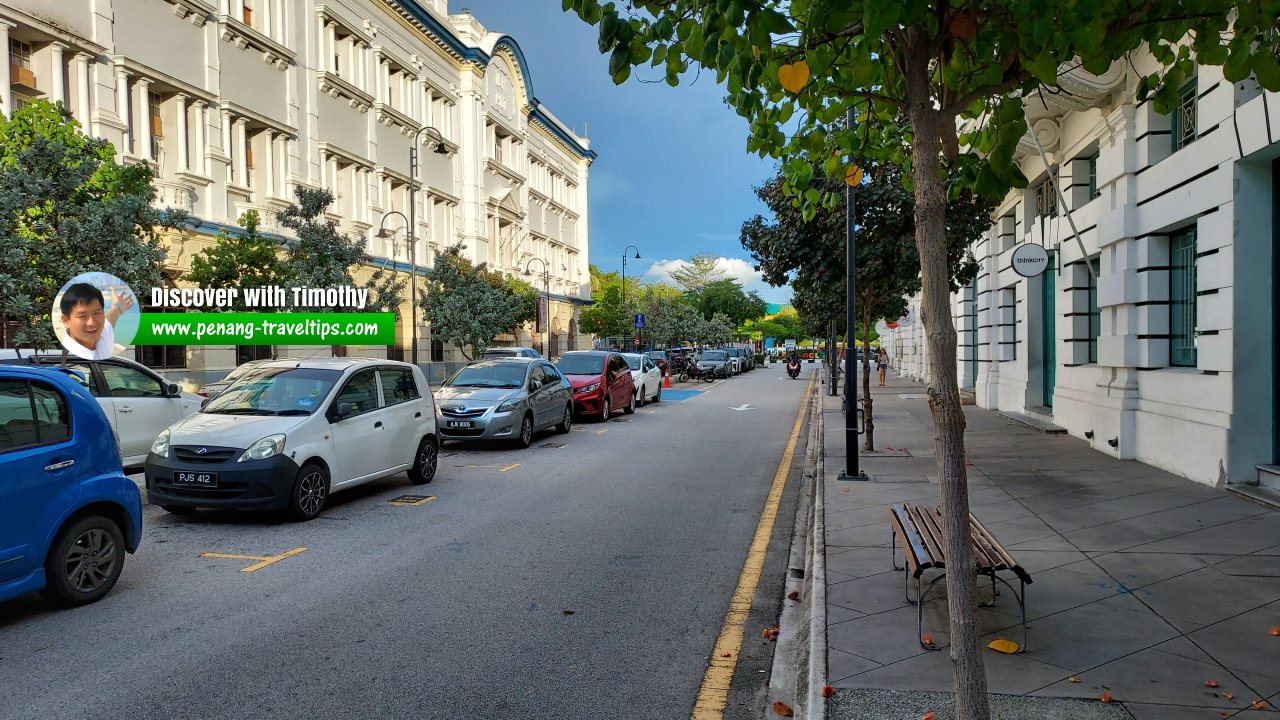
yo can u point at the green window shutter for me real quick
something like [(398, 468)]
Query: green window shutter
[(1182, 299)]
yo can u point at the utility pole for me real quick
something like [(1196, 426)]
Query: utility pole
[(851, 412)]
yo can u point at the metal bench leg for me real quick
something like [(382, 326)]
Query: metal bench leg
[(920, 611), (893, 551), (994, 594), (1021, 597)]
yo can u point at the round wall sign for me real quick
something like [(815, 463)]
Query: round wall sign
[(1029, 260)]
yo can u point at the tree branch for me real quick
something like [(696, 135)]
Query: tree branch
[(878, 97), (958, 106)]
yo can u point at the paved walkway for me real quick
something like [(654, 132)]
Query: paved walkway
[(1146, 585)]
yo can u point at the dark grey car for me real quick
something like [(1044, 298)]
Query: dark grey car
[(504, 399)]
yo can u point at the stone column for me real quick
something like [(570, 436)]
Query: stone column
[(225, 118), (269, 187), (331, 47), (6, 94), (82, 89), (431, 107), (265, 9), (282, 172), (242, 155), (122, 107), (58, 78), (324, 170), (355, 193), (201, 147), (143, 123), (184, 157)]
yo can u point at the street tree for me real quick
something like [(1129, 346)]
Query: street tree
[(669, 318), (241, 259), (727, 297), (809, 254), (66, 208), (607, 316), (909, 72), (715, 330), (701, 270), (321, 256), (467, 306)]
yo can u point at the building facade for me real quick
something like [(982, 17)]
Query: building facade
[(235, 103), (1153, 333)]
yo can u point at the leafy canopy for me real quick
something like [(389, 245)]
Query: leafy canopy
[(469, 306), (243, 259)]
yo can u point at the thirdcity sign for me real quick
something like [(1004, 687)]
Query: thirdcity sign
[(1030, 260)]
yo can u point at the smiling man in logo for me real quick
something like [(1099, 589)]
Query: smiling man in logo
[(90, 327)]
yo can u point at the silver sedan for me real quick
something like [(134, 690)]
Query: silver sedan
[(504, 399)]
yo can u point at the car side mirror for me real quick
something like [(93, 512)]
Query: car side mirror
[(343, 410), (204, 402), (174, 390)]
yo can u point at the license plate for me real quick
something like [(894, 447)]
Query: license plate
[(196, 478), (459, 424)]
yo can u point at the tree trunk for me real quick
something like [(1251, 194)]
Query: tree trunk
[(944, 389), (868, 419)]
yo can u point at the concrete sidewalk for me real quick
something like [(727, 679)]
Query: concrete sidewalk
[(1145, 585)]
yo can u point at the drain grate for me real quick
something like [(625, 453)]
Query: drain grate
[(412, 500), (553, 445)]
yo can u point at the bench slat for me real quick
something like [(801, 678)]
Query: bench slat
[(913, 546)]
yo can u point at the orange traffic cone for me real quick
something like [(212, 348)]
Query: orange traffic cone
[(666, 379)]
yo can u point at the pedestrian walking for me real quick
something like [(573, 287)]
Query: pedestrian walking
[(882, 364)]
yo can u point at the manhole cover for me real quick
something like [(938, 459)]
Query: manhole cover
[(404, 500), (553, 445)]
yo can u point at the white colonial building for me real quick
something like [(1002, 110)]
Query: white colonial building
[(237, 102), (1167, 353)]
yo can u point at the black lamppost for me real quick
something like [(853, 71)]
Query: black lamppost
[(546, 284), (851, 411), (385, 234), (624, 270)]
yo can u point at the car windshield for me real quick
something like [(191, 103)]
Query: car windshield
[(581, 364), (716, 355), (494, 375), (275, 391), (633, 361)]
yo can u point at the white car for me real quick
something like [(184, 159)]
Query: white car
[(290, 432), (138, 402), (647, 377)]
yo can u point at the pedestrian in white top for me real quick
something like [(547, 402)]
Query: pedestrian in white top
[(90, 328)]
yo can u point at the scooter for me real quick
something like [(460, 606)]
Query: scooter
[(793, 369)]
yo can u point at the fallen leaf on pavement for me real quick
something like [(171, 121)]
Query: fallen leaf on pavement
[(1229, 696), (1211, 683), (1106, 697), (793, 595), (1073, 679), (828, 691), (1258, 704), (782, 709), (726, 654), (1275, 631), (929, 716), (770, 634), (1007, 647), (927, 639)]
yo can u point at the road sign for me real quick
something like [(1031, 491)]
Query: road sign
[(789, 343), (637, 341), (639, 321)]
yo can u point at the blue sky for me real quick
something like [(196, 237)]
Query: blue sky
[(673, 177)]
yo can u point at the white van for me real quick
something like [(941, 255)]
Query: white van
[(289, 432)]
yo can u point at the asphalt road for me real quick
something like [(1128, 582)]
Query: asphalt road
[(583, 581)]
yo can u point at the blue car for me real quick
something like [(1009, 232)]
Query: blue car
[(68, 515)]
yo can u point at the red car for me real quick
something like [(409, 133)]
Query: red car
[(601, 382)]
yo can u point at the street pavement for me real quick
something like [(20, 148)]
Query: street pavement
[(585, 577), (1146, 586)]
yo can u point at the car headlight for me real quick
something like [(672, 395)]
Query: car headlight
[(508, 406), (269, 446), (589, 388), (161, 445)]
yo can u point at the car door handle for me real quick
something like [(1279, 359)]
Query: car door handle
[(59, 465), (417, 415), (378, 424), (125, 408)]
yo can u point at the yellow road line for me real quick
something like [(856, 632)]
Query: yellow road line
[(713, 696), (512, 466), (415, 503), (263, 561)]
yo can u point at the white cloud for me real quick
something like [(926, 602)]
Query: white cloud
[(734, 269)]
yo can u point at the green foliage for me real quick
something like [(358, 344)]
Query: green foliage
[(322, 257), (669, 318), (66, 207), (608, 316), (727, 298), (469, 307), (244, 259), (528, 296), (703, 269)]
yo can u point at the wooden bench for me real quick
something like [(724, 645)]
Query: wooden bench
[(920, 530)]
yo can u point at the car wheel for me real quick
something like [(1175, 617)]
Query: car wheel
[(604, 409), (566, 422), (178, 509), (657, 397), (310, 492), (525, 439), (638, 400), (84, 562), (631, 406), (425, 462)]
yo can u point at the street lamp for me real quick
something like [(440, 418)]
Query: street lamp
[(624, 270), (385, 234), (546, 283)]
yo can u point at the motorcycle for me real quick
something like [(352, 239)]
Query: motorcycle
[(793, 369)]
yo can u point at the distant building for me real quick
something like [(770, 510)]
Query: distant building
[(237, 102)]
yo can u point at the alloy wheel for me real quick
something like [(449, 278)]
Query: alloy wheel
[(312, 493), (91, 559)]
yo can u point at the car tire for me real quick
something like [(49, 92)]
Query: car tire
[(638, 400), (630, 409), (566, 422), (178, 509), (84, 562), (525, 438), (310, 492), (604, 410), (425, 462), (657, 397)]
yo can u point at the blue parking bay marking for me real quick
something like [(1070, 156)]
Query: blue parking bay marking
[(680, 395)]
